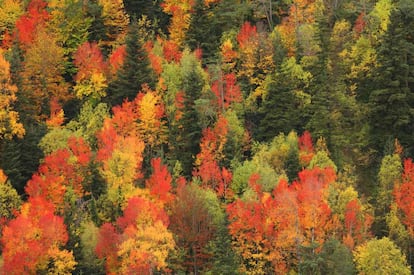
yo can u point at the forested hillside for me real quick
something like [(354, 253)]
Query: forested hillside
[(206, 137)]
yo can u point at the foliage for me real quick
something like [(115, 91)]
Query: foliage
[(383, 251)]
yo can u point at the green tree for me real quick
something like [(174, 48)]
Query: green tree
[(337, 259), (392, 100), (194, 83), (20, 158), (286, 98), (380, 257), (135, 71), (389, 174)]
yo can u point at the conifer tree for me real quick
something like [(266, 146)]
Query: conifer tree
[(135, 71), (392, 102)]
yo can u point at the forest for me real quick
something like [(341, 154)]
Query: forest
[(206, 137)]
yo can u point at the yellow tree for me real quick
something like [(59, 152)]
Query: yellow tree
[(151, 126), (9, 118), (10, 11), (180, 11), (140, 242), (42, 78), (116, 21)]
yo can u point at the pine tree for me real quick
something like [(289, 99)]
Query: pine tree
[(135, 71), (392, 102)]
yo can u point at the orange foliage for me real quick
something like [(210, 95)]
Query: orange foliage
[(247, 35), (155, 60), (404, 196), (32, 238), (27, 24), (116, 59), (180, 11), (59, 170), (171, 51), (57, 115), (160, 181), (140, 241), (227, 91), (89, 60), (306, 151)]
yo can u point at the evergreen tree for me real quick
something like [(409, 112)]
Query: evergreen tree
[(392, 102), (190, 132), (135, 71), (19, 158), (284, 106), (153, 11)]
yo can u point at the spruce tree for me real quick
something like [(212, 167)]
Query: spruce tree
[(190, 134), (392, 101), (135, 71)]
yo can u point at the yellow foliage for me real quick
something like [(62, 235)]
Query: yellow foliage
[(93, 88), (148, 240), (180, 20), (151, 127), (10, 11), (9, 119), (62, 262)]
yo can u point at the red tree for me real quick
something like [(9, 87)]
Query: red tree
[(27, 24), (32, 239), (404, 196)]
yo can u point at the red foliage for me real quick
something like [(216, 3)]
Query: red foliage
[(89, 60), (360, 23), (306, 151), (138, 214), (356, 224), (247, 34), (160, 181), (198, 53), (27, 24), (116, 59), (404, 195), (171, 51), (155, 60), (60, 170), (193, 226), (28, 239), (227, 91)]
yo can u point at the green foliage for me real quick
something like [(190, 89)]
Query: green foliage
[(134, 72), (337, 259), (10, 201), (392, 100), (380, 257), (20, 158)]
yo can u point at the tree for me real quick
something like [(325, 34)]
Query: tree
[(91, 79), (180, 18), (9, 118), (28, 24), (10, 201), (403, 194), (285, 101), (380, 257), (392, 102), (33, 240), (195, 220), (70, 22), (193, 85), (140, 242), (337, 259), (61, 171), (116, 22), (20, 158), (42, 77), (134, 71)]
